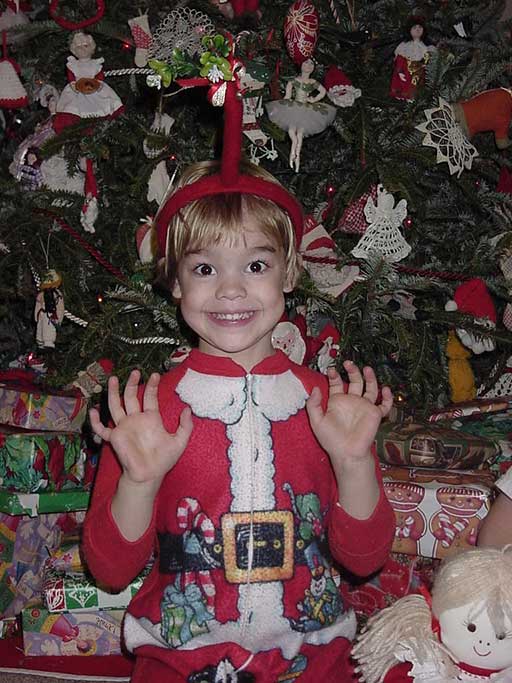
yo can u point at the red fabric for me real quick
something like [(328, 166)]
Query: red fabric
[(203, 473), (12, 657), (490, 110), (402, 87), (213, 185)]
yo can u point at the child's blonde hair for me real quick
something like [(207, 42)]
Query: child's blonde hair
[(220, 218), (474, 575)]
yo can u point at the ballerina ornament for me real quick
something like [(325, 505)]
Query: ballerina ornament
[(462, 633), (301, 113)]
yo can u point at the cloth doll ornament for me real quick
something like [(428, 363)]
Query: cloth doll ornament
[(473, 298), (462, 633), (12, 93), (382, 235), (411, 56), (339, 87), (487, 111), (49, 309), (86, 95), (139, 27), (229, 178), (301, 113)]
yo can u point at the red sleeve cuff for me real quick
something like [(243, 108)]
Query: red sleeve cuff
[(111, 558), (362, 545)]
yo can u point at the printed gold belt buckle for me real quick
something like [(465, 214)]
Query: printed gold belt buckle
[(272, 545)]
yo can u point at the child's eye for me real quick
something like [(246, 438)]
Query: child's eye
[(204, 269), (257, 267)]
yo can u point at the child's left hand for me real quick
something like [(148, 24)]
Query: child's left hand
[(347, 429)]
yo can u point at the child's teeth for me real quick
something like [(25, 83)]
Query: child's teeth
[(232, 316)]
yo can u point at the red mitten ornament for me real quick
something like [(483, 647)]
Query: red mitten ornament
[(301, 27), (353, 220), (12, 93), (487, 111)]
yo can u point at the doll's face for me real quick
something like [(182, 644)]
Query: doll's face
[(308, 67), (467, 632), (416, 31), (82, 46)]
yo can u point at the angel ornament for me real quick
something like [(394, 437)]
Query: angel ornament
[(301, 113), (463, 632), (383, 235)]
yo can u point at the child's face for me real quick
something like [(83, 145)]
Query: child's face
[(231, 295)]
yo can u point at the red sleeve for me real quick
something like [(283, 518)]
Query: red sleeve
[(112, 559), (70, 75), (362, 545)]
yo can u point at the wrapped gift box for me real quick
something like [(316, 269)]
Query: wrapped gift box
[(25, 543), (430, 445), (401, 575), (78, 591), (481, 406), (24, 405), (50, 461), (77, 633), (33, 504), (437, 512), (402, 411)]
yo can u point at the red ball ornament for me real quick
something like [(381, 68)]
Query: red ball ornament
[(330, 191), (408, 222), (301, 27)]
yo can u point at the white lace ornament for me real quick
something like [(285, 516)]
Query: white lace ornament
[(382, 235), (503, 386), (446, 136), (182, 29)]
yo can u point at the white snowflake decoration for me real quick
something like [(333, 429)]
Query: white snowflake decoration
[(382, 235), (183, 29), (446, 136)]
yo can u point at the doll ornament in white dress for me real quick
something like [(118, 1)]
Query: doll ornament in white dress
[(464, 635), (301, 113), (86, 95)]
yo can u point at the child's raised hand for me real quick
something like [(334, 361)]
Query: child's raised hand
[(146, 450), (347, 429)]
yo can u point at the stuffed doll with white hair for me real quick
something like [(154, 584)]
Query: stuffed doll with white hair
[(462, 633)]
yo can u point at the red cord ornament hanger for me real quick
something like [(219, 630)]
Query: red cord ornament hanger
[(75, 26), (229, 179)]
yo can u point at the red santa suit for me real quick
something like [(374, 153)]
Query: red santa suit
[(411, 57), (215, 601)]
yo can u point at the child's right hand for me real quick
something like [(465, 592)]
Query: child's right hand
[(146, 450)]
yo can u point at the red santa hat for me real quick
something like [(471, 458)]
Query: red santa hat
[(473, 298), (336, 77), (339, 87)]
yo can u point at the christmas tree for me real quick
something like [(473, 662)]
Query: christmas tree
[(392, 155)]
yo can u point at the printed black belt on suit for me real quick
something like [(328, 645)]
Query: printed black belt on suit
[(276, 549)]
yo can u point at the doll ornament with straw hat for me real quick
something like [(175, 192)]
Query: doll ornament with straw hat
[(463, 632)]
